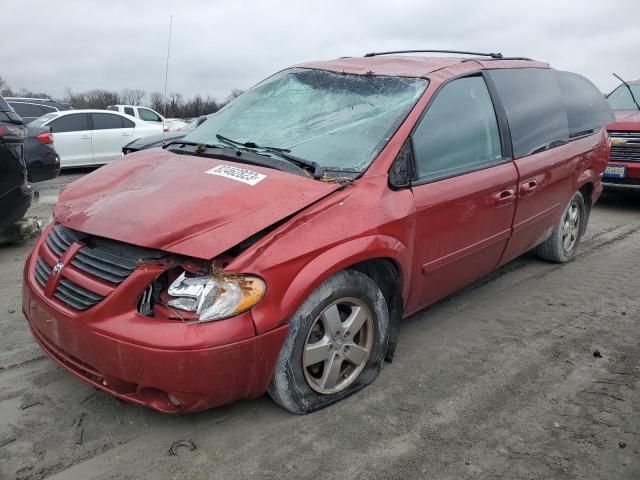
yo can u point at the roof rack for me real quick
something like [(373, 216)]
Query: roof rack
[(502, 58), (496, 56)]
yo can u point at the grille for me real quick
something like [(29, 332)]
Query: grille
[(109, 261), (629, 151), (76, 296), (43, 271), (104, 265)]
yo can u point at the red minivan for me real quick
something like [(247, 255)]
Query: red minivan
[(278, 246)]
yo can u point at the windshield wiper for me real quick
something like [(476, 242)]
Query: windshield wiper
[(236, 155), (194, 144), (628, 88), (318, 171)]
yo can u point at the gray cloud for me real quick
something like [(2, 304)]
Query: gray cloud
[(217, 46)]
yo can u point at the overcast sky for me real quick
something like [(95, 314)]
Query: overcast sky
[(217, 46)]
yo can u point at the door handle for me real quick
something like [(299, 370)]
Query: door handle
[(527, 188), (505, 197), (85, 137), (125, 134)]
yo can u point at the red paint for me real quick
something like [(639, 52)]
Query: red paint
[(627, 121), (440, 235)]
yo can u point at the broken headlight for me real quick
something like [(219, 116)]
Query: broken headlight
[(215, 297)]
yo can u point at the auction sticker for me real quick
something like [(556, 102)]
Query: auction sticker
[(235, 173)]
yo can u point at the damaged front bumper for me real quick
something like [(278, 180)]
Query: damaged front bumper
[(170, 366)]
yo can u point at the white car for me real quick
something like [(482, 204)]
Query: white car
[(148, 115), (93, 137)]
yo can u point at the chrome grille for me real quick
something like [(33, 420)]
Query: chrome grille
[(628, 151)]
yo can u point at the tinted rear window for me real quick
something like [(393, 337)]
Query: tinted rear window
[(70, 123), (534, 106), (30, 109), (587, 109)]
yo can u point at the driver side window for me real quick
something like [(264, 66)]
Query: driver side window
[(459, 132)]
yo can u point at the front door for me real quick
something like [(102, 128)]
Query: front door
[(464, 194)]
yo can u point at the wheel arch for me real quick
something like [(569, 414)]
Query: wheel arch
[(378, 256)]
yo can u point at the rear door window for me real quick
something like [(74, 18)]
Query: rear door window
[(75, 122), (534, 107), (587, 109), (459, 132), (129, 111), (106, 121)]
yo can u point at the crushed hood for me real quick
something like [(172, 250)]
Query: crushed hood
[(626, 120), (161, 200)]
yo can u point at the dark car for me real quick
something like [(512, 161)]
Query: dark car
[(15, 192), (278, 246), (43, 162), (31, 108), (153, 141)]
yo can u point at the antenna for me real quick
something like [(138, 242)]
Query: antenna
[(166, 77)]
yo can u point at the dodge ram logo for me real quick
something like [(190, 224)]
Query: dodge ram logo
[(57, 268)]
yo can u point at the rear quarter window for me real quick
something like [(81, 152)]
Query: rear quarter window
[(534, 106), (587, 109)]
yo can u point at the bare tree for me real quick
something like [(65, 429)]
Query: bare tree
[(156, 101), (5, 89), (131, 96)]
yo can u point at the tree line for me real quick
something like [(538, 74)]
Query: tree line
[(176, 106)]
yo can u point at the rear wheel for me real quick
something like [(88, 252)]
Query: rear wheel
[(563, 243), (335, 346)]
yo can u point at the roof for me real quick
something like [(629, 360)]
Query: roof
[(409, 66)]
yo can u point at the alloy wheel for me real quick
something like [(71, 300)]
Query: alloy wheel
[(571, 226), (338, 346)]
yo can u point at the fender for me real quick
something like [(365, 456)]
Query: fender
[(330, 262)]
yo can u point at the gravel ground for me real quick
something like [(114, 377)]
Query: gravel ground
[(531, 373)]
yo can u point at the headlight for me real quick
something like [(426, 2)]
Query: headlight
[(215, 298)]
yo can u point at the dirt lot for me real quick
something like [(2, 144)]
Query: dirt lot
[(502, 380)]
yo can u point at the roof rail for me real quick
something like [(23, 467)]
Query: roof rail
[(501, 58), (461, 52)]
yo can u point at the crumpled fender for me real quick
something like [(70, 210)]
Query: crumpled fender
[(328, 263)]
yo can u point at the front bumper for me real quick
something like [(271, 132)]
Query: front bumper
[(166, 365)]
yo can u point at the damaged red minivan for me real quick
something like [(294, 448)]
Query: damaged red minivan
[(278, 246)]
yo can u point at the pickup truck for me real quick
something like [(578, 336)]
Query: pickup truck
[(148, 115)]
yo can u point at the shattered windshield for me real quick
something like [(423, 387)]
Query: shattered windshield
[(340, 121)]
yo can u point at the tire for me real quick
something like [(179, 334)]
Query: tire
[(347, 360), (563, 243)]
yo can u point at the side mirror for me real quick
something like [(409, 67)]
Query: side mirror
[(402, 171), (201, 120)]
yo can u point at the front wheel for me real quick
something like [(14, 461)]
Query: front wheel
[(563, 243), (336, 344)]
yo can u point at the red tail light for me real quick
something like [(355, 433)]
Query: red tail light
[(45, 138)]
